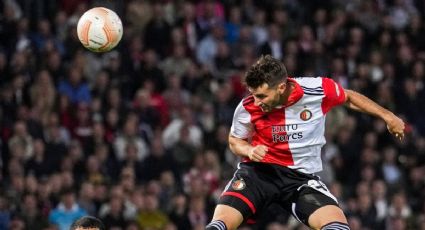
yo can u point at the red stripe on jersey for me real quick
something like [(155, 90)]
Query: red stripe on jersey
[(269, 130), (243, 198), (334, 94), (277, 140), (296, 94)]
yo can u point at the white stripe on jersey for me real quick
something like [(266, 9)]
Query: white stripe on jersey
[(241, 125), (306, 152), (337, 89)]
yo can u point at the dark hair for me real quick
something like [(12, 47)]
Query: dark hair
[(88, 222), (266, 70)]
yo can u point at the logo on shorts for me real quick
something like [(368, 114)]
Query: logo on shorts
[(238, 184), (305, 115)]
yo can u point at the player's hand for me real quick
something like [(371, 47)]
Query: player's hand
[(395, 126), (257, 153)]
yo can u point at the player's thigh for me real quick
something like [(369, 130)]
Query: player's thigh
[(229, 215), (316, 208), (248, 193), (325, 215)]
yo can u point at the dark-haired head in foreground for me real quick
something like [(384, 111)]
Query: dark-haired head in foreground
[(88, 223)]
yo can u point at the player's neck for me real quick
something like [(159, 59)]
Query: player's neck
[(284, 98)]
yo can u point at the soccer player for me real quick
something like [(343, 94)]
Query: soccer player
[(278, 130), (88, 223)]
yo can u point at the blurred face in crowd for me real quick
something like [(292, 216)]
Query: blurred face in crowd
[(30, 203), (87, 191), (138, 199), (132, 226), (68, 199), (98, 130), (320, 16), (235, 15), (188, 10), (419, 70), (44, 27), (398, 223), (157, 148), (67, 179), (379, 189), (280, 17), (178, 37), (20, 129), (54, 60), (355, 223), (151, 202), (75, 76), (131, 151), (167, 179), (101, 152), (112, 118), (128, 179), (114, 98), (92, 164), (31, 184), (197, 205), (274, 33), (130, 128), (116, 205)]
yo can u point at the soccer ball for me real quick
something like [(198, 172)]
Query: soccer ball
[(99, 29)]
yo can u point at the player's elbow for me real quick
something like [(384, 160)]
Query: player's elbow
[(234, 144), (353, 100), (348, 95)]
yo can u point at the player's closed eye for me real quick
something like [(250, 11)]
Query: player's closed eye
[(260, 96)]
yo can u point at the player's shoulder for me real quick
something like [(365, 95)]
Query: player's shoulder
[(312, 86), (247, 100), (247, 104), (309, 82)]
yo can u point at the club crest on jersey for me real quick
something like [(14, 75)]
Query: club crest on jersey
[(305, 115), (238, 184)]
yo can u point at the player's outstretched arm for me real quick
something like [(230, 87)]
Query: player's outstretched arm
[(243, 148), (361, 103)]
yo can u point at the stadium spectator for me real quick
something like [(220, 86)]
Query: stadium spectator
[(67, 211)]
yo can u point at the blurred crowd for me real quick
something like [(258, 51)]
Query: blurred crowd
[(138, 136)]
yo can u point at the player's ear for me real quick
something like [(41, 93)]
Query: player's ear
[(281, 87)]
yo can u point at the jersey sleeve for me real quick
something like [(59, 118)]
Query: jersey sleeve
[(334, 94), (241, 124)]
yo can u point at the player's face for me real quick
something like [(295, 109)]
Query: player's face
[(268, 97)]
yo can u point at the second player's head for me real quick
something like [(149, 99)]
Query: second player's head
[(88, 223)]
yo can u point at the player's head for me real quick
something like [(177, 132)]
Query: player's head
[(267, 70), (88, 223), (266, 80)]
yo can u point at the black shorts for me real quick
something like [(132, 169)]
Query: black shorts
[(257, 185)]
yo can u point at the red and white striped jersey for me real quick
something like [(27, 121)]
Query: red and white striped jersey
[(294, 133)]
